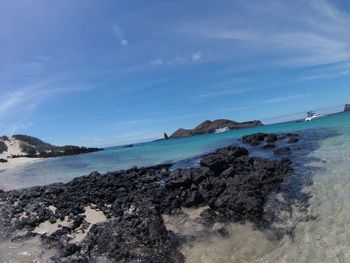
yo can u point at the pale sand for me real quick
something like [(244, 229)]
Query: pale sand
[(14, 148), (207, 245), (48, 228), (92, 217), (16, 162), (185, 222)]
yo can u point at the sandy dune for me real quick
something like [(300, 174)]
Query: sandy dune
[(14, 149)]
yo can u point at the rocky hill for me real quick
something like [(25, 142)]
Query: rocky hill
[(28, 146), (210, 127)]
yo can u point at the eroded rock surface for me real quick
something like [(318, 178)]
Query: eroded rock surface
[(233, 185)]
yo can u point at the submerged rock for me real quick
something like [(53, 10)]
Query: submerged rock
[(283, 150), (254, 139), (231, 182)]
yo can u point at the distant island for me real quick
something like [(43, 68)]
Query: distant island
[(347, 107), (19, 145), (214, 126)]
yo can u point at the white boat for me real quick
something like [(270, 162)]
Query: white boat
[(312, 115), (225, 129)]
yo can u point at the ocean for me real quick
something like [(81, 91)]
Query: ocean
[(320, 231)]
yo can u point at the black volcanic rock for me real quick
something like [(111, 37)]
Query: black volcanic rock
[(222, 159), (210, 127), (254, 139), (3, 161), (269, 146), (166, 137), (234, 184), (292, 140), (270, 140), (283, 150)]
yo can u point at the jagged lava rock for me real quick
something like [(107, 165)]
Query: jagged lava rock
[(234, 185)]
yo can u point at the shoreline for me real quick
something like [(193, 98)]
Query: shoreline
[(13, 163), (231, 185)]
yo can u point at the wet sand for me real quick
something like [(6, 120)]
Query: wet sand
[(16, 162)]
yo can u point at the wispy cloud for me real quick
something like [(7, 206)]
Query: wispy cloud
[(196, 56), (230, 92), (15, 126), (325, 75), (157, 62), (178, 59), (286, 98), (17, 105), (320, 37)]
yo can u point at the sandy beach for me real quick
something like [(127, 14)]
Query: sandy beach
[(16, 162), (13, 148)]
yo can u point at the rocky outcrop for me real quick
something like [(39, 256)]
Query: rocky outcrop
[(166, 137), (233, 184), (181, 133), (347, 107), (210, 127)]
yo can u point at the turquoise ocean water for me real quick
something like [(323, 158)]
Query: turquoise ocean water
[(115, 158), (321, 230)]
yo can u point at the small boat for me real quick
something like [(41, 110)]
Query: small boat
[(312, 115), (220, 130)]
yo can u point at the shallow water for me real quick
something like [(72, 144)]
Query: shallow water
[(29, 251), (320, 232), (66, 168)]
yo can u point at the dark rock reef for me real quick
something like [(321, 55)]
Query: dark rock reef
[(268, 141), (210, 127), (233, 184)]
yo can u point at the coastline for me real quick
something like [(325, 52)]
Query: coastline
[(13, 163), (231, 185)]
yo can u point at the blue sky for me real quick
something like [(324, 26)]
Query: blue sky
[(114, 72)]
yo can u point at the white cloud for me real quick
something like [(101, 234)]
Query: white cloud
[(319, 36), (178, 59), (325, 75), (344, 72), (157, 62), (124, 42), (196, 56), (18, 104)]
